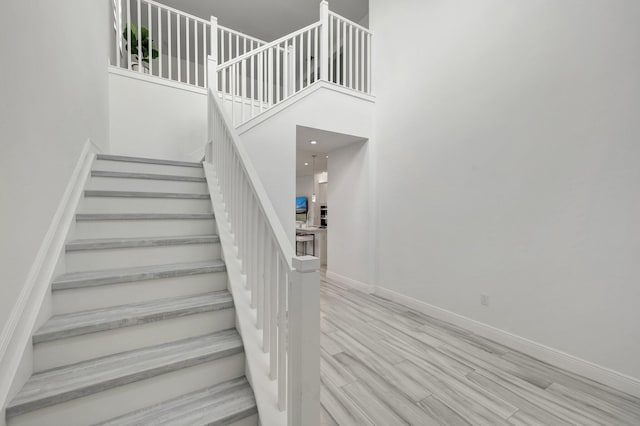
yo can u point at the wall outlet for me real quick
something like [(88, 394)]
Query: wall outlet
[(484, 299)]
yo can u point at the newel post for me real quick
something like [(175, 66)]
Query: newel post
[(303, 396), (324, 40)]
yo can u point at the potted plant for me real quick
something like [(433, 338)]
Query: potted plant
[(130, 35)]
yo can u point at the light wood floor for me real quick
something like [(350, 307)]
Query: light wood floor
[(385, 364)]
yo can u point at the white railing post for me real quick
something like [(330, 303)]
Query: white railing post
[(324, 40), (291, 74), (303, 394), (212, 61)]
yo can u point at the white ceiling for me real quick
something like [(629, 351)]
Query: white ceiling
[(268, 20), (326, 142)]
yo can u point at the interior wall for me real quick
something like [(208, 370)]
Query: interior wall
[(511, 169), (53, 97), (349, 214), (156, 120), (272, 143)]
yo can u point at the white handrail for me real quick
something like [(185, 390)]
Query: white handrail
[(269, 45), (282, 241), (284, 289)]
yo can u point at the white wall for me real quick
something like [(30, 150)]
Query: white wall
[(156, 120), (512, 168), (349, 214), (53, 97), (272, 143)]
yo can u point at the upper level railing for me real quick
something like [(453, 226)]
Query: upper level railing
[(155, 39), (333, 49)]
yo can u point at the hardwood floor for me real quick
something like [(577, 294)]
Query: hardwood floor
[(385, 364)]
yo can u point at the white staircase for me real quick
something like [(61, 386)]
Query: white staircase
[(143, 327)]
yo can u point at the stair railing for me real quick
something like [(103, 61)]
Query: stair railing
[(333, 49), (284, 288), (173, 45)]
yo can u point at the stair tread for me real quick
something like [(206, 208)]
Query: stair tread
[(138, 273), (117, 243), (109, 157), (87, 217), (144, 194), (227, 402), (95, 320), (88, 377), (149, 176)]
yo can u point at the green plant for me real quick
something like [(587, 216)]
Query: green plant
[(131, 33)]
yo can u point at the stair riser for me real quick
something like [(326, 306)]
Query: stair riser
[(247, 421), (134, 396), (127, 184), (143, 228), (62, 352), (91, 260), (123, 166), (81, 299), (143, 205)]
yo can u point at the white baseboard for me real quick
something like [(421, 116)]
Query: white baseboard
[(17, 332), (536, 350), (358, 285)]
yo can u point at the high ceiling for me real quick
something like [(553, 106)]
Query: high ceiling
[(268, 20)]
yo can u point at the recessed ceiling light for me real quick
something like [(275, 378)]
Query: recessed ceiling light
[(313, 142), (306, 164), (327, 156)]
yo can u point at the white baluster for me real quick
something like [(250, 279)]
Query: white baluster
[(344, 52), (324, 41), (369, 64), (266, 333), (140, 55), (270, 75), (128, 26), (260, 270), (170, 42), (160, 73), (179, 47), (308, 58), (196, 52), (331, 59), (316, 69), (273, 314), (149, 40), (260, 82), (357, 64), (282, 336), (300, 76)]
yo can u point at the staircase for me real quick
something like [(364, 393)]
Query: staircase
[(143, 327)]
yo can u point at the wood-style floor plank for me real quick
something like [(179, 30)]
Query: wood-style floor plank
[(385, 364)]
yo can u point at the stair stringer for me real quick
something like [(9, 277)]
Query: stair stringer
[(257, 361), (34, 303)]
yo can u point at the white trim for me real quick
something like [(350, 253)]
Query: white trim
[(156, 80), (314, 87), (17, 332), (358, 285), (257, 362), (598, 373)]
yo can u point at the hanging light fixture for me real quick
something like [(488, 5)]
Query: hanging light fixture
[(313, 196)]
